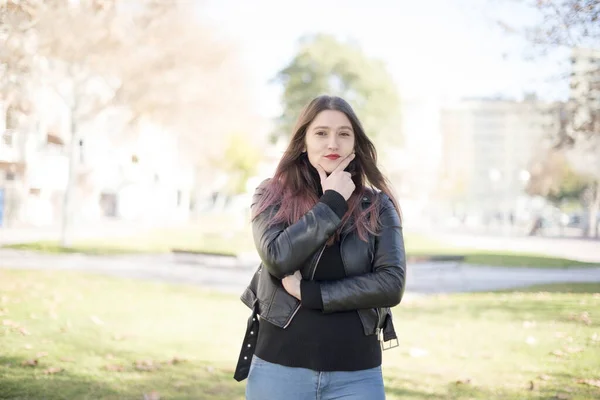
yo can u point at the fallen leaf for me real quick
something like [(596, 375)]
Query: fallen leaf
[(30, 363), (590, 382), (41, 354), (9, 323), (152, 395), (573, 349), (176, 360), (464, 381), (558, 353), (24, 331), (53, 370), (96, 320), (583, 317), (115, 368), (145, 365)]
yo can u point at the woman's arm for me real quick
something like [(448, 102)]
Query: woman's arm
[(284, 249), (383, 287)]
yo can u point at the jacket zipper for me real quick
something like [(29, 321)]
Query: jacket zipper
[(317, 263), (342, 254), (312, 277)]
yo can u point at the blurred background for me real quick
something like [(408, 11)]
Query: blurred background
[(134, 132), (139, 113)]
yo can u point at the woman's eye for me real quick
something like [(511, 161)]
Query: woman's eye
[(345, 134), (320, 133)]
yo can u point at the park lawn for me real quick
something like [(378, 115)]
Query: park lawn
[(154, 241), (96, 337), (418, 247)]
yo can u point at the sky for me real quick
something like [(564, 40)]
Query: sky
[(442, 49)]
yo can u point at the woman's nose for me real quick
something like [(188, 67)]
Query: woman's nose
[(332, 144)]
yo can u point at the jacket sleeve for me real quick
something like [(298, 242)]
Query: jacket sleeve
[(283, 249), (384, 287)]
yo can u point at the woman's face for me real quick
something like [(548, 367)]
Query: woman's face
[(329, 139)]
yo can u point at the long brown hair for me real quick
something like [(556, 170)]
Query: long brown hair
[(295, 185)]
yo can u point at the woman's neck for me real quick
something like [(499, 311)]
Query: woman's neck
[(317, 178)]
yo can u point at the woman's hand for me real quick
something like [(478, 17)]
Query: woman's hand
[(339, 180), (291, 284)]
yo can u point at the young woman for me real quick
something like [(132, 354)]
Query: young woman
[(328, 231)]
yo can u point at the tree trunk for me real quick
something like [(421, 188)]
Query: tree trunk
[(593, 211), (65, 239)]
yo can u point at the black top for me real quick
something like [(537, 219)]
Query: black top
[(318, 341)]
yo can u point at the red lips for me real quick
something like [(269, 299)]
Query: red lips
[(333, 156)]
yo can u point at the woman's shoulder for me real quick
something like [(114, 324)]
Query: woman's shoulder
[(378, 198), (372, 195), (262, 186), (261, 190)]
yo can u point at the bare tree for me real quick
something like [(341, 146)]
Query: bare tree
[(574, 25), (149, 59)]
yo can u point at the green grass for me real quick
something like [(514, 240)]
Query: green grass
[(580, 287), (223, 242), (420, 246), (155, 241), (522, 260), (96, 329)]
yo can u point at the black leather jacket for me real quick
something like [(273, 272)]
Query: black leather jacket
[(376, 271)]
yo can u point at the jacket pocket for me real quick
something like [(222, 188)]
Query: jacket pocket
[(275, 305), (369, 318), (283, 308)]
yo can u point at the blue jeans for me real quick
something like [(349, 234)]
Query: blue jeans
[(268, 381)]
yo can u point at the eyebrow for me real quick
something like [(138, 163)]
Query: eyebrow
[(327, 127)]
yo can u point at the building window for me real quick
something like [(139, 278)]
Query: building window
[(7, 138), (12, 119)]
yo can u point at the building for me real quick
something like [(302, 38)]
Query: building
[(488, 145), (141, 178), (585, 74)]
